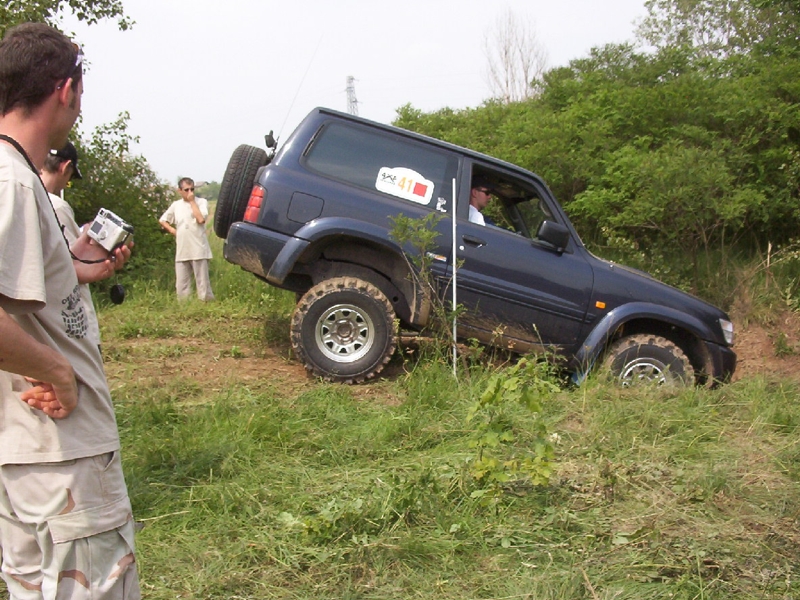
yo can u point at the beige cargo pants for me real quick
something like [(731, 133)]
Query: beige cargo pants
[(183, 279), (66, 531)]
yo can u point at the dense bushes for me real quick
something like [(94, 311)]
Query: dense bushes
[(683, 151)]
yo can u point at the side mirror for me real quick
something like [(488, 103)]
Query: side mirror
[(553, 234)]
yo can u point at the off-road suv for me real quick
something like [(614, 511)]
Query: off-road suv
[(318, 218)]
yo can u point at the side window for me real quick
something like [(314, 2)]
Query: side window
[(378, 161), (507, 202)]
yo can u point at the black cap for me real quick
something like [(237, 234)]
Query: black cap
[(68, 152), (479, 181)]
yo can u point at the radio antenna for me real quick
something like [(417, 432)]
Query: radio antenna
[(308, 68)]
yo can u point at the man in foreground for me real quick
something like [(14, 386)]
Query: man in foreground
[(66, 528)]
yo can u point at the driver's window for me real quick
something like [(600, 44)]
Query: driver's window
[(507, 202)]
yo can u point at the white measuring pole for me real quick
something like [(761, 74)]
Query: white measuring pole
[(455, 292)]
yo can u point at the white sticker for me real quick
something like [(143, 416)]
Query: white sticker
[(404, 183)]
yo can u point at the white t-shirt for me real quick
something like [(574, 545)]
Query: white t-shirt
[(36, 271), (191, 238), (475, 216), (66, 216)]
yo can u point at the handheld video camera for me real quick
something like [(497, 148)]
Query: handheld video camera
[(110, 231)]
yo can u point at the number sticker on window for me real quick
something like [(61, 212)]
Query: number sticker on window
[(405, 183)]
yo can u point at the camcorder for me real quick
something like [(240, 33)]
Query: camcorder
[(110, 231)]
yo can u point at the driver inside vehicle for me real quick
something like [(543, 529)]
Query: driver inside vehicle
[(479, 196)]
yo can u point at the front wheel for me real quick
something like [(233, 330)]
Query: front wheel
[(343, 330), (638, 359)]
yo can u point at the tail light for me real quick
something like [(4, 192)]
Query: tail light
[(254, 204)]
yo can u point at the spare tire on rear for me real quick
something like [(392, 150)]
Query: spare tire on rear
[(236, 186)]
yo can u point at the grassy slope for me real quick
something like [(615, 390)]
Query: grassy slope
[(254, 482), (268, 488)]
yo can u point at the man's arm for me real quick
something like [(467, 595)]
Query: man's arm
[(198, 216), (168, 227), (54, 391)]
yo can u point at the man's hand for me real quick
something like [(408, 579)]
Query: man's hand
[(86, 248), (55, 402)]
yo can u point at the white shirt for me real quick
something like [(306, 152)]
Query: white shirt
[(475, 216), (191, 238)]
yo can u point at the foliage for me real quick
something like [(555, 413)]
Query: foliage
[(527, 384), (119, 181), (681, 150), (209, 191), (14, 12), (722, 28), (417, 237)]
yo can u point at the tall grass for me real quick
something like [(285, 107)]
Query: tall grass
[(274, 488), (251, 488)]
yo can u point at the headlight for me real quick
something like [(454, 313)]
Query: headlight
[(727, 331)]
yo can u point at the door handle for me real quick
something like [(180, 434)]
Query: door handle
[(473, 241)]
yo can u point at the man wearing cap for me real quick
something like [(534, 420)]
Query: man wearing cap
[(479, 197), (61, 167), (66, 529)]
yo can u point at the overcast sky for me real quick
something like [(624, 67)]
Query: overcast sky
[(200, 77)]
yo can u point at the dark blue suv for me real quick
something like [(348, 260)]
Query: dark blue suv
[(317, 219)]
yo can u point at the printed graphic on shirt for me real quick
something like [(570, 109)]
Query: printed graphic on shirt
[(75, 325), (404, 183)]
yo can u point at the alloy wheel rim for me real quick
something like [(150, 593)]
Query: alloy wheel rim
[(345, 333)]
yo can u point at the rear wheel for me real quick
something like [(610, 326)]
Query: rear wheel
[(343, 330), (638, 359), (237, 183)]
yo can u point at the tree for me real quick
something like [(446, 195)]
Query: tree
[(209, 190), (14, 12), (119, 181), (722, 28), (515, 58)]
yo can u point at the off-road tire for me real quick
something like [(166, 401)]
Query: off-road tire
[(638, 359), (343, 330), (237, 183)]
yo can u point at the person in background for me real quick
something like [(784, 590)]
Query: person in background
[(66, 528), (186, 220), (61, 167)]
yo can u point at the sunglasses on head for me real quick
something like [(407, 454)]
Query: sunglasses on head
[(76, 66), (78, 56)]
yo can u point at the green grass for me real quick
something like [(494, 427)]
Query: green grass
[(323, 495), (263, 488)]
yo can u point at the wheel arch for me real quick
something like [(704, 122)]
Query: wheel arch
[(338, 247), (683, 330)]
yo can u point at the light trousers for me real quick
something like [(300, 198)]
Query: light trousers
[(183, 279)]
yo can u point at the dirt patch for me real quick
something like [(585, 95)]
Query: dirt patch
[(772, 350)]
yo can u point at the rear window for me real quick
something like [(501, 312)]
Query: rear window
[(381, 162)]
